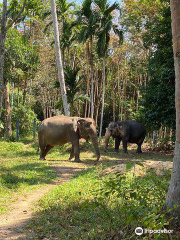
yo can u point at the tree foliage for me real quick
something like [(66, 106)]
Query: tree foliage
[(139, 71)]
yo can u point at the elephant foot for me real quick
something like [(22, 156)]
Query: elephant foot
[(77, 160), (116, 150), (42, 158)]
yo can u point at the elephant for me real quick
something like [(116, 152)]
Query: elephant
[(58, 130), (127, 131)]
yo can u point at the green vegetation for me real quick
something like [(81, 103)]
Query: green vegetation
[(20, 172), (95, 55), (94, 206)]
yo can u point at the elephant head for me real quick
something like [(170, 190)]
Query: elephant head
[(86, 129), (111, 130)]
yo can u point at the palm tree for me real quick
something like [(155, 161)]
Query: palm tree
[(87, 19), (59, 59), (105, 20)]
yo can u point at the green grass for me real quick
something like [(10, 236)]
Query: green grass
[(21, 171), (94, 206)]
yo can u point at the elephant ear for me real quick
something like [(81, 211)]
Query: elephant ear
[(75, 124), (84, 124), (120, 130)]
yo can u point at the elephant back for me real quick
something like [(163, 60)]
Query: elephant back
[(135, 130)]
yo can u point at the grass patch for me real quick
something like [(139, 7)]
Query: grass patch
[(21, 171), (94, 206)]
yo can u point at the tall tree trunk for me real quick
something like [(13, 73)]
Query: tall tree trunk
[(119, 93), (25, 91), (44, 112), (173, 195), (18, 97), (95, 96), (12, 99), (8, 130), (124, 98), (103, 94), (88, 78), (12, 95), (138, 93), (114, 101), (98, 99), (2, 45), (92, 78), (59, 59)]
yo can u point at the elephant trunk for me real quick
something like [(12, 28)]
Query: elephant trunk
[(95, 144), (107, 136)]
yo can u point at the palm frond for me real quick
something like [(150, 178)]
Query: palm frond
[(118, 32), (86, 8), (102, 43), (46, 14), (52, 43), (56, 84), (111, 8), (47, 26), (83, 35), (81, 98), (101, 4)]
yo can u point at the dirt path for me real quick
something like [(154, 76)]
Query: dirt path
[(12, 223)]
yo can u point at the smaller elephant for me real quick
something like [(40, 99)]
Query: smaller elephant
[(127, 131), (58, 130)]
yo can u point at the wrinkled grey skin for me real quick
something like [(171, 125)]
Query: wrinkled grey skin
[(58, 130), (127, 131)]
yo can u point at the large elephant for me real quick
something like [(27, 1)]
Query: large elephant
[(59, 130), (127, 131)]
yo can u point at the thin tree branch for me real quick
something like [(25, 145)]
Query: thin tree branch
[(19, 14)]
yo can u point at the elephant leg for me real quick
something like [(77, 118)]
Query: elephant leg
[(48, 147), (139, 148), (76, 151), (124, 145), (139, 145), (42, 154), (117, 143), (42, 146), (71, 153)]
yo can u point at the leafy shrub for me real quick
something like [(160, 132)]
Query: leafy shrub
[(138, 200), (26, 117), (94, 206)]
